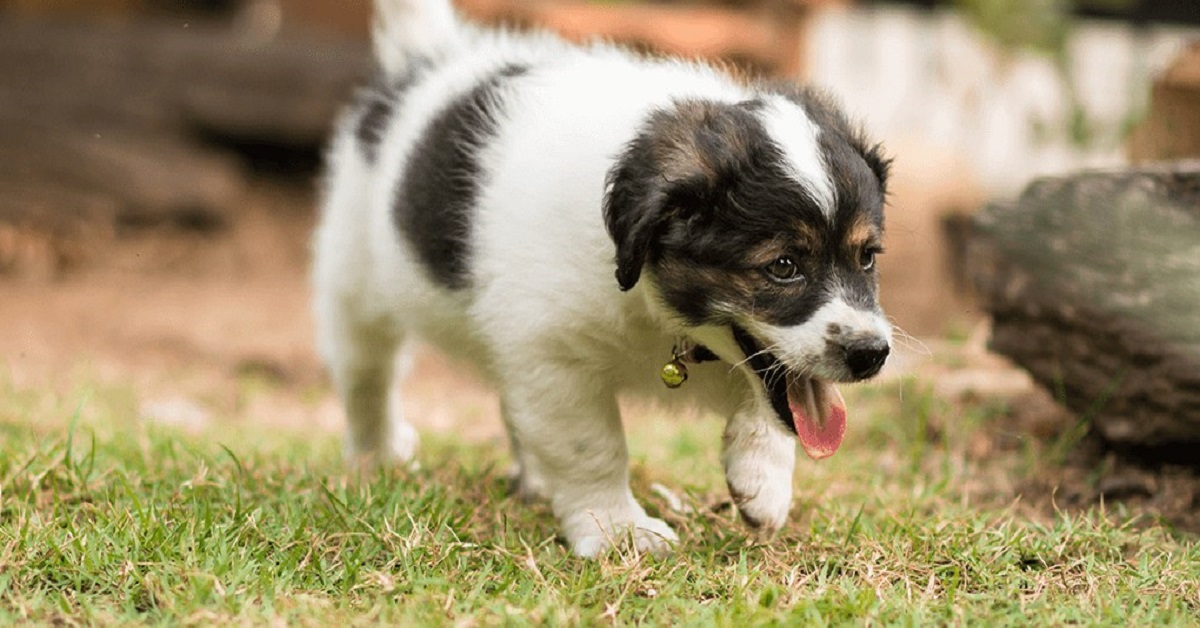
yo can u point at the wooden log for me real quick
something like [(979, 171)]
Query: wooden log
[(140, 123), (1093, 282), (163, 76), (112, 126)]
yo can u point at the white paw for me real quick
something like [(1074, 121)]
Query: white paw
[(402, 444), (759, 460), (590, 534), (398, 449), (764, 505)]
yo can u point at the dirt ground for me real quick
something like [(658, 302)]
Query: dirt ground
[(192, 319)]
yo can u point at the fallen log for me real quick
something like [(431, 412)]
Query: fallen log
[(150, 74), (115, 125), (1093, 283)]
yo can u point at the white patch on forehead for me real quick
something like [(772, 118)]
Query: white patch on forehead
[(797, 135)]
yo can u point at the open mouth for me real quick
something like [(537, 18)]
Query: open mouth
[(810, 408)]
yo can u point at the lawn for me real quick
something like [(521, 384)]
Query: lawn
[(105, 519)]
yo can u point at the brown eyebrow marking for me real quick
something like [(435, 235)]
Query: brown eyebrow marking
[(861, 233), (804, 236), (809, 234), (767, 252)]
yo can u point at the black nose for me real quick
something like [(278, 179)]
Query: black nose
[(866, 359)]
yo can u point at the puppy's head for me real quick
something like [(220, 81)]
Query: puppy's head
[(764, 218)]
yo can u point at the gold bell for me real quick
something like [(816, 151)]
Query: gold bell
[(674, 373)]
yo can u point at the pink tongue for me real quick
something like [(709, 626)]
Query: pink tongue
[(819, 414)]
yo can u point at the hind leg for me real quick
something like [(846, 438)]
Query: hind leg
[(362, 360)]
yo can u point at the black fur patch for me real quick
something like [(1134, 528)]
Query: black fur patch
[(442, 179), (377, 103), (703, 354), (771, 371), (676, 171)]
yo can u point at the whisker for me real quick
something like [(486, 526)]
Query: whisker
[(908, 340), (772, 374), (768, 349)]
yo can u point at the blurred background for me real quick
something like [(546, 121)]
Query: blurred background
[(159, 158)]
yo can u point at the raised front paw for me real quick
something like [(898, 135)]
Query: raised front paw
[(763, 500), (759, 460), (590, 534)]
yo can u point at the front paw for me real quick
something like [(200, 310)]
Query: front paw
[(763, 500), (590, 533)]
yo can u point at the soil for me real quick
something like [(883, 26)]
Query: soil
[(192, 318)]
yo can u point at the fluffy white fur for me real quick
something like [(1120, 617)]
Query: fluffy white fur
[(785, 119), (543, 318)]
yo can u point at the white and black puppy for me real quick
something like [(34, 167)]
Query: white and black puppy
[(485, 190)]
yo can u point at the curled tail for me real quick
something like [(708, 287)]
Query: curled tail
[(408, 29)]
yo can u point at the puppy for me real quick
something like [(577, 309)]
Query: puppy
[(570, 219)]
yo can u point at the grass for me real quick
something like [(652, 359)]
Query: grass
[(107, 520)]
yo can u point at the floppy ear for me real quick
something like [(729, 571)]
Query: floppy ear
[(668, 172), (635, 207)]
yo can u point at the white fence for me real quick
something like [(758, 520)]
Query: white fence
[(916, 76)]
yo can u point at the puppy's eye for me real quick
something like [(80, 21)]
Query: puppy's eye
[(784, 270), (866, 257)]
